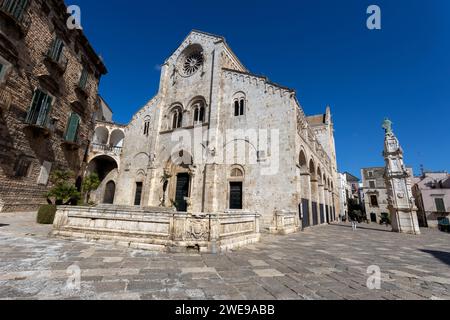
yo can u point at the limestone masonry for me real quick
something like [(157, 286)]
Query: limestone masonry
[(217, 138)]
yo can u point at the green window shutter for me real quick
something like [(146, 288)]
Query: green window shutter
[(72, 127), (440, 206), (33, 111), (44, 110), (15, 8), (56, 49), (83, 79)]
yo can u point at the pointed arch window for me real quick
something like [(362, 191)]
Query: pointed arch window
[(147, 126)]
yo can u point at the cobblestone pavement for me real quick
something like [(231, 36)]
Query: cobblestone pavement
[(327, 262)]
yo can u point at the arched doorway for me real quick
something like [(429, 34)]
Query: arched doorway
[(179, 173), (110, 191)]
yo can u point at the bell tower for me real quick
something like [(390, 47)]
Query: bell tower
[(398, 181)]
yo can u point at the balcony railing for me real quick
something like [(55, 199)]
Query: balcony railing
[(17, 15), (106, 148)]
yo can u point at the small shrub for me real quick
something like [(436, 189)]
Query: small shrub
[(46, 214)]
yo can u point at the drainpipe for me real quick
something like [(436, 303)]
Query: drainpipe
[(209, 127)]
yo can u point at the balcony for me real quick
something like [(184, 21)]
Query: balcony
[(82, 91), (72, 145), (106, 148), (44, 129), (15, 17), (59, 65)]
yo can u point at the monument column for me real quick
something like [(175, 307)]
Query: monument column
[(398, 182)]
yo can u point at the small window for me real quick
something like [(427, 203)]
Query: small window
[(199, 114), (370, 174), (177, 119), (440, 205), (83, 79), (73, 126), (39, 111), (372, 184), (239, 107), (22, 168), (146, 128), (56, 50), (15, 8), (374, 201)]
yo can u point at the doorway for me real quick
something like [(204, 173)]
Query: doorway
[(236, 195), (182, 192), (138, 194), (110, 191)]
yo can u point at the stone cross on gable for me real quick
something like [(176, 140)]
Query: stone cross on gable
[(387, 126)]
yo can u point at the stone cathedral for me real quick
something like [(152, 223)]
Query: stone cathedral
[(218, 139)]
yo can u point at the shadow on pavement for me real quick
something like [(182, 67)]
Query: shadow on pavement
[(441, 255), (3, 225)]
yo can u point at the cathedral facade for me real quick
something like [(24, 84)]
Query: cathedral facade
[(217, 138)]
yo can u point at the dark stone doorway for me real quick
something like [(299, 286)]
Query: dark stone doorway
[(110, 191), (182, 191)]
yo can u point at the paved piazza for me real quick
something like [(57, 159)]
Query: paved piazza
[(328, 262)]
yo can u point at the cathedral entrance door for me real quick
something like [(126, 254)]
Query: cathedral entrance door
[(236, 195), (182, 191)]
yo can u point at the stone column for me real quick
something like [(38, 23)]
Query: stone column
[(321, 202), (314, 198), (305, 180), (327, 204)]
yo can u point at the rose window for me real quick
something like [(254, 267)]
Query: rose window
[(192, 63)]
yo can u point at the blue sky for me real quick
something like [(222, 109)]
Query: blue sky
[(320, 48)]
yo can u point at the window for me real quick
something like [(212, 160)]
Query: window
[(56, 50), (177, 119), (72, 128), (138, 194), (239, 107), (83, 79), (440, 205), (22, 168), (374, 201), (372, 184), (199, 114), (146, 127), (4, 67), (16, 8), (370, 174), (40, 109)]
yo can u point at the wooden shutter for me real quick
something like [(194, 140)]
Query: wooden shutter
[(440, 206), (34, 108), (83, 79), (15, 7), (56, 49), (44, 110), (72, 127)]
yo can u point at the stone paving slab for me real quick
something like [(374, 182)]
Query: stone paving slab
[(328, 263)]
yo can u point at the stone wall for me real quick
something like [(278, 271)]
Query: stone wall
[(24, 48), (157, 228)]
